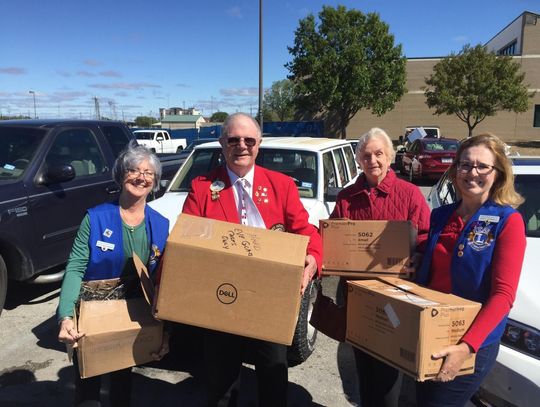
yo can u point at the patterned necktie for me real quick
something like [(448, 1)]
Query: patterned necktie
[(242, 197)]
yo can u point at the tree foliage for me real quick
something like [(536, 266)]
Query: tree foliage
[(144, 121), (344, 63), (279, 99), (219, 117), (475, 84)]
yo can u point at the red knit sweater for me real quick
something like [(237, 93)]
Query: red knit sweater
[(505, 267)]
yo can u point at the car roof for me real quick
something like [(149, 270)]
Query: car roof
[(302, 143), (525, 165), (50, 123)]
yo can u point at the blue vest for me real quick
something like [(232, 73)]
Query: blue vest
[(107, 246), (470, 266)]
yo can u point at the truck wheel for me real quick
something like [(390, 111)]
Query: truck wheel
[(180, 148), (305, 335), (3, 283)]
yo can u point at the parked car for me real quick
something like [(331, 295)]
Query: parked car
[(159, 141), (428, 157), (320, 168), (515, 379), (51, 172)]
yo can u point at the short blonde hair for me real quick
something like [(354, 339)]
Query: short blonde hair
[(376, 134), (502, 191)]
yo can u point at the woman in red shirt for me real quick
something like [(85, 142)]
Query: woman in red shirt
[(475, 250)]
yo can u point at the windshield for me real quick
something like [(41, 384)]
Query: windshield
[(300, 165), (17, 147), (527, 186), (144, 135)]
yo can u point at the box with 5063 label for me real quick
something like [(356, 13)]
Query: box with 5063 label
[(403, 324), (366, 248)]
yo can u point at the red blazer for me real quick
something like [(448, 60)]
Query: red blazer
[(278, 203)]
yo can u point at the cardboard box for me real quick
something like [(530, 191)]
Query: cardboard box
[(232, 278), (403, 324), (366, 248), (118, 333)]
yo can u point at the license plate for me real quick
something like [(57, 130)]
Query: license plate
[(446, 160)]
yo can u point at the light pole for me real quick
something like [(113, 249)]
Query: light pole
[(261, 65), (34, 97)]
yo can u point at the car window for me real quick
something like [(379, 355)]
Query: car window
[(116, 138), (527, 186), (300, 165), (330, 176), (439, 146), (201, 162), (340, 162), (349, 155), (78, 148), (17, 147)]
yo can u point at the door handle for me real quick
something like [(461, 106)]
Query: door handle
[(112, 190)]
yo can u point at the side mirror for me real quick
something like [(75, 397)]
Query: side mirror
[(159, 138), (58, 173), (332, 193)]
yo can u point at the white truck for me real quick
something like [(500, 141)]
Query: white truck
[(159, 141)]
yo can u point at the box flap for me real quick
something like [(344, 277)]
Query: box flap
[(235, 239), (146, 282)]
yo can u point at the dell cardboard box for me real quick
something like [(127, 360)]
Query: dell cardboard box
[(232, 278), (403, 324), (118, 333), (366, 248)]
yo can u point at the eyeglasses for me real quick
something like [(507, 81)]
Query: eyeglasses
[(234, 141), (134, 173), (482, 169)]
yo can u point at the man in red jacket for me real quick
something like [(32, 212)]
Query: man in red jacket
[(242, 192)]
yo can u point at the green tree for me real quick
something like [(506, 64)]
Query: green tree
[(280, 99), (346, 62), (475, 84), (219, 117), (144, 121)]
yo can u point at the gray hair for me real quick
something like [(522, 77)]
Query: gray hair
[(231, 118), (376, 134), (131, 157)]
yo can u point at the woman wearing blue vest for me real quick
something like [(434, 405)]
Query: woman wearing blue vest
[(107, 237), (475, 250)]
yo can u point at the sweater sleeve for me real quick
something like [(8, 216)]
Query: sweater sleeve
[(75, 269), (506, 269)]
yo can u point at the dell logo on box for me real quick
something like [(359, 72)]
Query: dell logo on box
[(226, 293)]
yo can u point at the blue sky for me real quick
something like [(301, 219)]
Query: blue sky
[(137, 56)]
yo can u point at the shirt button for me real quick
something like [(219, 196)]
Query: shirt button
[(461, 246), (460, 253)]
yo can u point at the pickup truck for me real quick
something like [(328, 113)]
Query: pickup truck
[(159, 141), (51, 172)]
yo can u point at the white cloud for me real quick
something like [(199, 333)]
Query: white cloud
[(91, 62), (239, 91), (124, 85), (111, 74), (13, 70), (235, 11)]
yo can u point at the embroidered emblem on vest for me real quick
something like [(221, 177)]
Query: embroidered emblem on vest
[(480, 237), (154, 254), (280, 227)]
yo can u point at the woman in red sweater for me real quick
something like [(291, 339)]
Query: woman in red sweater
[(378, 194), (475, 250)]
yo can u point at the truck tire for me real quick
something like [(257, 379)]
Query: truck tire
[(3, 283), (305, 335), (180, 148)]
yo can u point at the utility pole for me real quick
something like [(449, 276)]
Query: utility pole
[(96, 107)]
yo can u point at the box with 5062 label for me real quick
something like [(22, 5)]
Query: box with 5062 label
[(366, 248)]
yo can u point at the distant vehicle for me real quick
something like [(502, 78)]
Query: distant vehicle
[(159, 141), (182, 155), (428, 157), (515, 378), (431, 131), (320, 168)]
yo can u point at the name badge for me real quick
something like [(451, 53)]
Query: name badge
[(104, 245), (489, 218)]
